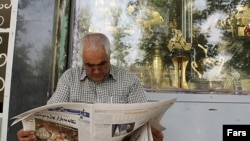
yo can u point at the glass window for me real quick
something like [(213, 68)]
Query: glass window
[(191, 46), (32, 59)]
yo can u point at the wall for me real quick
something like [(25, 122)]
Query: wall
[(199, 117)]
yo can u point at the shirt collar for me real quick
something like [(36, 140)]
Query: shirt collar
[(112, 73)]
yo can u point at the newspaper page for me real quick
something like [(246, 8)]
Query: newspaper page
[(95, 122)]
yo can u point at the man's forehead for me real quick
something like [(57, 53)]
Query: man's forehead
[(94, 48), (95, 58)]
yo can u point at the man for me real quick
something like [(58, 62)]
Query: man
[(96, 82), (128, 128)]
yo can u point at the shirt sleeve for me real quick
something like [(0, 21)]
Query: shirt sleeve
[(62, 91), (137, 93)]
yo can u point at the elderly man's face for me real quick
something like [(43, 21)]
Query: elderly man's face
[(97, 64)]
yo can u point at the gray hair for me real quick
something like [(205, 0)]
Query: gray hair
[(98, 39)]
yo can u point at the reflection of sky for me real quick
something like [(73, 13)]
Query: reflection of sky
[(38, 23), (200, 4), (210, 27)]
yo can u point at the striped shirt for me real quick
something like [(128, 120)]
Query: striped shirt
[(121, 86)]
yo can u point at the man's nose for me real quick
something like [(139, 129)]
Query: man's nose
[(96, 69)]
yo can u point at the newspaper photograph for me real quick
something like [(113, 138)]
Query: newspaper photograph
[(95, 122)]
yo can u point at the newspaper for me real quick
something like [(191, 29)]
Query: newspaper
[(95, 122)]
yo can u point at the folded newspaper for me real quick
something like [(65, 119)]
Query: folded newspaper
[(95, 122)]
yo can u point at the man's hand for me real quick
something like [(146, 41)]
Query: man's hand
[(26, 135), (157, 135)]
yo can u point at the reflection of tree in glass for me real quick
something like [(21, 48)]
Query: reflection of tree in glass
[(235, 48), (120, 50), (82, 26), (28, 79)]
